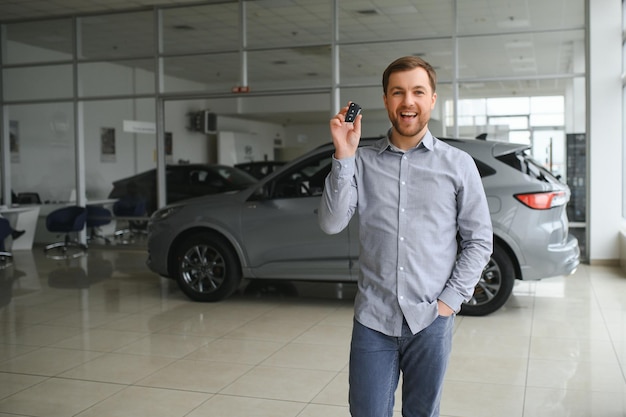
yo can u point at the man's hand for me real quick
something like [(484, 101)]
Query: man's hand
[(346, 136), (444, 309)]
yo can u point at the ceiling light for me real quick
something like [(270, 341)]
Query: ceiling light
[(469, 86), (518, 44), (183, 27), (523, 60), (368, 12)]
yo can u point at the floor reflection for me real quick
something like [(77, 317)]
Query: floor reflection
[(8, 275), (36, 272), (80, 273), (105, 323)]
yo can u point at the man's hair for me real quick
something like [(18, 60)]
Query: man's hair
[(407, 63)]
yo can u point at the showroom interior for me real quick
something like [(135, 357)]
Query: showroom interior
[(96, 91)]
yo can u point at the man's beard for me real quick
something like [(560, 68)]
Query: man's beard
[(408, 131)]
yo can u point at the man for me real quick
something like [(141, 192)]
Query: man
[(6, 227), (414, 194)]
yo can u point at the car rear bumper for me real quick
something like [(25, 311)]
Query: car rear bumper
[(557, 260)]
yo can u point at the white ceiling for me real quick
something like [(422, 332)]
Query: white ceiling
[(525, 47)]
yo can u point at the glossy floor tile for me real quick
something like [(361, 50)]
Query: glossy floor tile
[(102, 336)]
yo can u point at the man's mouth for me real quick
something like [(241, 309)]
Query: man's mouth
[(408, 114)]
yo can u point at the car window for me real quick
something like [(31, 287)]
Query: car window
[(214, 179), (198, 176), (235, 177), (302, 180), (483, 169), (524, 163)]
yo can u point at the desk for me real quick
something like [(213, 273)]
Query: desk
[(22, 218), (103, 202)]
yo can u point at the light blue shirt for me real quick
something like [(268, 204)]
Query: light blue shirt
[(410, 206)]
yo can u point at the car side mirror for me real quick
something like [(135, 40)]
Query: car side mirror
[(261, 193)]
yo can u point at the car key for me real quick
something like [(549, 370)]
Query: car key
[(353, 111)]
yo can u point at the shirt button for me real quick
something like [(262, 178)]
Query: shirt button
[(403, 182), (402, 297), (401, 238), (402, 210), (401, 268)]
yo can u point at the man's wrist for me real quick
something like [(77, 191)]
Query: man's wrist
[(444, 309), (343, 154)]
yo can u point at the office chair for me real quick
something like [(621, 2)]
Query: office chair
[(5, 231), (66, 220), (126, 208), (98, 216)]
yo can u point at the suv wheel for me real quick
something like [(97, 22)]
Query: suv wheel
[(495, 285), (207, 268)]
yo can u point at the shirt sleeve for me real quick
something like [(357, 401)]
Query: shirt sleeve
[(476, 238), (339, 198)]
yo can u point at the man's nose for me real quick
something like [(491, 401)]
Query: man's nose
[(408, 98)]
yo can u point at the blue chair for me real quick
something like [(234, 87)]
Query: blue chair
[(98, 216), (5, 231), (127, 208), (67, 220)]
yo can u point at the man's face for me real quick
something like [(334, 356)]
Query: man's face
[(409, 100)]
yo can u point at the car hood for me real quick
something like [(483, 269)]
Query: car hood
[(234, 197)]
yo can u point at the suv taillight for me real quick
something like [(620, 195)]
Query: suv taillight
[(543, 201)]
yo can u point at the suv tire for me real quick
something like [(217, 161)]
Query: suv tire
[(494, 287), (207, 268)]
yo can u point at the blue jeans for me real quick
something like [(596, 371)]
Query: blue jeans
[(376, 361)]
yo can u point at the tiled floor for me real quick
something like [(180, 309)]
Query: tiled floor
[(102, 336)]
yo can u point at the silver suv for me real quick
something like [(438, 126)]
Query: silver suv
[(270, 230)]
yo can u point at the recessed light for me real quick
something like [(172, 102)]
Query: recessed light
[(183, 27)]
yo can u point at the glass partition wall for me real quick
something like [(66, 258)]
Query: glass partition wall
[(92, 99)]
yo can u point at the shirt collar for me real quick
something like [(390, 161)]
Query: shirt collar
[(426, 142)]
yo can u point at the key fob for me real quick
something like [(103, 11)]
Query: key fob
[(353, 111)]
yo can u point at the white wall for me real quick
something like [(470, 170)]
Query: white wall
[(605, 130)]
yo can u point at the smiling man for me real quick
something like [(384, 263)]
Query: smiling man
[(414, 194)]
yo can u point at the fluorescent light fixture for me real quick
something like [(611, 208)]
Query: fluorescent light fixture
[(513, 23), (518, 44)]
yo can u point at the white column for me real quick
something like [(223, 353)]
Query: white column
[(605, 130)]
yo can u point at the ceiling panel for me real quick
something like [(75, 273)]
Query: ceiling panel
[(497, 42)]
